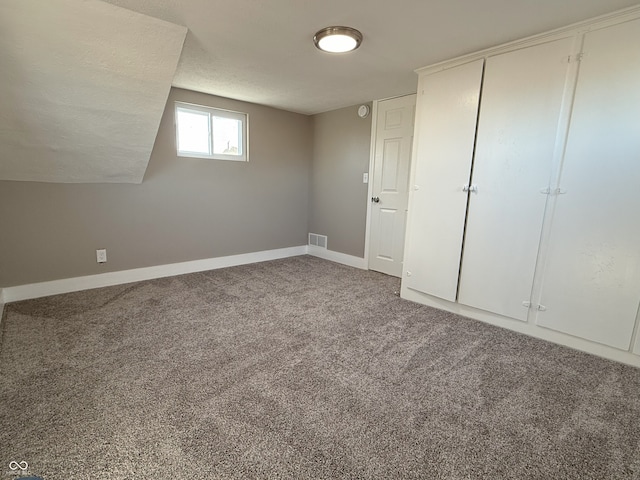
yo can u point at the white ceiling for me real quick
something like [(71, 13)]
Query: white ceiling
[(85, 82), (262, 51)]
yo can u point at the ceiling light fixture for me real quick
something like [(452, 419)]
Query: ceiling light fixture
[(337, 39)]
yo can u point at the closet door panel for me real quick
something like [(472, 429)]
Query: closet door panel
[(446, 115), (522, 97), (591, 284)]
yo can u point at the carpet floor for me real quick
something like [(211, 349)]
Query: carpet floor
[(299, 369)]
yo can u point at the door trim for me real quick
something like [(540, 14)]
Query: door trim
[(372, 154)]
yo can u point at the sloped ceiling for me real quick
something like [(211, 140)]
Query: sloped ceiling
[(85, 81), (84, 86)]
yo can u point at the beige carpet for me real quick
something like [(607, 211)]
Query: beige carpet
[(301, 369)]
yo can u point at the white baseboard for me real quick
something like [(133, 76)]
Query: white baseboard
[(1, 304), (526, 328), (66, 285), (337, 257)]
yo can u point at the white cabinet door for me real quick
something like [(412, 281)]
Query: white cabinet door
[(591, 284), (446, 115), (522, 97)]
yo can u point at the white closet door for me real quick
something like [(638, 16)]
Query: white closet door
[(446, 115), (591, 284), (522, 98)]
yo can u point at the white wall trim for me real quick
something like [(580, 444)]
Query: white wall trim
[(636, 334), (1, 304), (66, 285), (372, 158), (526, 328), (337, 257), (548, 36)]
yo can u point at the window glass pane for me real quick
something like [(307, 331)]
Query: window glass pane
[(227, 134), (193, 132)]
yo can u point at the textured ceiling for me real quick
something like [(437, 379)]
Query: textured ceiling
[(262, 51), (85, 81), (84, 85)]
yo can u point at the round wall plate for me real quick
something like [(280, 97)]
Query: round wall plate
[(363, 111)]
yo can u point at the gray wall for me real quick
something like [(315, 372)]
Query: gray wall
[(337, 196), (186, 209)]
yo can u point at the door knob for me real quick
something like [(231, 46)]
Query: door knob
[(375, 199)]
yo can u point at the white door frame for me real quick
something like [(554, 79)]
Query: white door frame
[(372, 154)]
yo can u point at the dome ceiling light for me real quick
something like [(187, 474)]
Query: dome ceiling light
[(337, 39)]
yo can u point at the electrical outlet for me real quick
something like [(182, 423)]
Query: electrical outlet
[(101, 255)]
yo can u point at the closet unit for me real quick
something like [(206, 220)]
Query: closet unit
[(525, 207), (591, 277)]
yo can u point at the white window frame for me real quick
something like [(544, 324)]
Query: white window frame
[(243, 156)]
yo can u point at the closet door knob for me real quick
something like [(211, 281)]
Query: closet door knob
[(375, 199)]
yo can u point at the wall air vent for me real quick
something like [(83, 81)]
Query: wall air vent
[(318, 240)]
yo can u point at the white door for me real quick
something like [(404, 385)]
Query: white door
[(392, 157), (522, 96), (445, 126), (591, 283)]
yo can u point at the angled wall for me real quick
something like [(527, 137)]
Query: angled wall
[(84, 86), (186, 208)]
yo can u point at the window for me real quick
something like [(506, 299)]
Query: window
[(205, 132)]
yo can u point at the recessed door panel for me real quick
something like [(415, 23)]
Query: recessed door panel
[(522, 97), (389, 221), (392, 151), (393, 118)]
